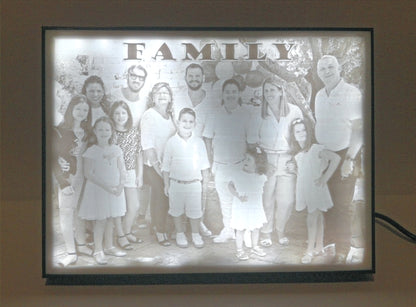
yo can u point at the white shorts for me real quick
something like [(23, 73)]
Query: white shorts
[(223, 175), (185, 198), (359, 190), (130, 179)]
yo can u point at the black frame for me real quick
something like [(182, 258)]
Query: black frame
[(238, 277)]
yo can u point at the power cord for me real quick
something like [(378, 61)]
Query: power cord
[(398, 229)]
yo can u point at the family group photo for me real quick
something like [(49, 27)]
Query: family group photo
[(206, 152)]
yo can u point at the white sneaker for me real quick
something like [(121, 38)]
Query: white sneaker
[(100, 258), (181, 240), (355, 255), (257, 250), (197, 240), (71, 258), (224, 236), (204, 230)]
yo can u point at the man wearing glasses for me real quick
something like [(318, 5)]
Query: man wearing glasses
[(136, 77)]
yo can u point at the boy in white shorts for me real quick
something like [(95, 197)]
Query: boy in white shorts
[(185, 173)]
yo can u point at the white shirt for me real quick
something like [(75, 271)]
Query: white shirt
[(335, 113), (269, 133), (203, 110), (228, 131), (185, 159), (155, 132)]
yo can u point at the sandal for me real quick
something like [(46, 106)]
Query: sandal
[(132, 238), (266, 242), (257, 250), (113, 251), (162, 239), (124, 243), (84, 249)]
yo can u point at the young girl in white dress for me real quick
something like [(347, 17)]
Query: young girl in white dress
[(315, 166), (248, 214), (103, 197)]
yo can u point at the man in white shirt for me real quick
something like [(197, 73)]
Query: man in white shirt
[(338, 111), (136, 78), (196, 98)]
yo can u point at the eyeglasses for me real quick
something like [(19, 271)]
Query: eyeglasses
[(135, 77)]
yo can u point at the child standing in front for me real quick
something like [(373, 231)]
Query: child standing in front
[(315, 166), (246, 187), (103, 197), (128, 138), (185, 165)]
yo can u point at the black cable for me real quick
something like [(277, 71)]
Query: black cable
[(407, 234)]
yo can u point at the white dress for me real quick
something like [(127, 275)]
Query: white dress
[(308, 194), (250, 214), (97, 203)]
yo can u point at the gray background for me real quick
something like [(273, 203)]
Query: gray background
[(395, 112)]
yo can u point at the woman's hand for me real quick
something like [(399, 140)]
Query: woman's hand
[(243, 198), (120, 189), (78, 150), (69, 190), (63, 164), (347, 167), (113, 189), (271, 170), (320, 182)]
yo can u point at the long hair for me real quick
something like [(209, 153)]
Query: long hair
[(284, 104), (293, 144), (260, 158), (107, 120), (91, 80), (156, 88), (68, 120), (236, 83), (126, 107)]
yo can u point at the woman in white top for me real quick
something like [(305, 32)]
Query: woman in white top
[(156, 128), (270, 131)]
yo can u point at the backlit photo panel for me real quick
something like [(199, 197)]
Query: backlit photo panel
[(207, 155)]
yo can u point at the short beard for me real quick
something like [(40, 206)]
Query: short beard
[(194, 88), (134, 90)]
